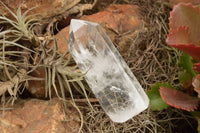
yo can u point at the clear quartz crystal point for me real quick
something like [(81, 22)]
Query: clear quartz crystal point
[(107, 74)]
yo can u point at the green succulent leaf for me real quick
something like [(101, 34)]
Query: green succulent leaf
[(186, 79), (186, 64), (156, 102)]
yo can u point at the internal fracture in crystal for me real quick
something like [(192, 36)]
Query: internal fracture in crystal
[(107, 74)]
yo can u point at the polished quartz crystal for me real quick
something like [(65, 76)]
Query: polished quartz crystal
[(107, 74)]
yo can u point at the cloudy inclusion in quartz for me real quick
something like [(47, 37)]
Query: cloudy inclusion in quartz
[(107, 74)]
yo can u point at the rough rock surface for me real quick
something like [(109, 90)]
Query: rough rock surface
[(37, 116), (37, 87), (43, 8), (119, 21)]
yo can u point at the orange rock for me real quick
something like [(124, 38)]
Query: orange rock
[(37, 116), (116, 20), (43, 8), (37, 87), (120, 18), (62, 40)]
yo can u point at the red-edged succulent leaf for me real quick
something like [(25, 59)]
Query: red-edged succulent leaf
[(186, 14), (196, 84), (196, 67), (178, 99), (190, 49), (179, 36), (185, 29)]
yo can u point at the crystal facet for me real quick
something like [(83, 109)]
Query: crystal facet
[(107, 74)]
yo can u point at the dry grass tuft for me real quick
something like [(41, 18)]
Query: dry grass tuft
[(97, 121), (149, 57)]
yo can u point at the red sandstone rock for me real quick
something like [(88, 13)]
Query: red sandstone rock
[(37, 116), (116, 20), (43, 8), (37, 87)]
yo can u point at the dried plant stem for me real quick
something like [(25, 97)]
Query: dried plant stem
[(5, 66), (81, 116), (91, 100), (14, 83)]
